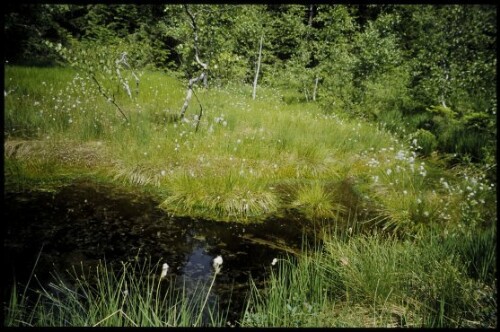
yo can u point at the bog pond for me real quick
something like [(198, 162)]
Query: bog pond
[(84, 222)]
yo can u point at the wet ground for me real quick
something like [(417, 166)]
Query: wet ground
[(85, 222)]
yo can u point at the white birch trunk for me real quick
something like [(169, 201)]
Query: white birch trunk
[(257, 70), (202, 77), (315, 88)]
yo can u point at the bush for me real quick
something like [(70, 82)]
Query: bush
[(426, 141)]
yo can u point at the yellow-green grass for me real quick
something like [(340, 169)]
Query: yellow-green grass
[(245, 151), (375, 281)]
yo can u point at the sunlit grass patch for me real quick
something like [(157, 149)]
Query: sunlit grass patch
[(295, 294), (265, 142), (426, 274), (139, 176), (317, 202), (227, 197), (69, 153)]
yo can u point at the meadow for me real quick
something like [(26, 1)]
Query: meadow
[(407, 241)]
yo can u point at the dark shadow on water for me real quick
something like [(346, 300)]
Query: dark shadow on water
[(85, 222)]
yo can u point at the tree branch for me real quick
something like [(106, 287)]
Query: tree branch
[(123, 60), (110, 99), (189, 93), (193, 80), (195, 32)]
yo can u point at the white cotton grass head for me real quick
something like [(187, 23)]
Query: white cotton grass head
[(217, 263), (164, 271), (275, 260)]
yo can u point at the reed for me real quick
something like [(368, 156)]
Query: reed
[(133, 295)]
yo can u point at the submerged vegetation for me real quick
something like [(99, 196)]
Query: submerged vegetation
[(393, 160)]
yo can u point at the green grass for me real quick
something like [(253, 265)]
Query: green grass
[(373, 281), (243, 149), (235, 167), (350, 280), (131, 296), (420, 250)]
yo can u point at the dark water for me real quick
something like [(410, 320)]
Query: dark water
[(85, 222)]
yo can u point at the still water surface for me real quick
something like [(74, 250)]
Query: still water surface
[(85, 222)]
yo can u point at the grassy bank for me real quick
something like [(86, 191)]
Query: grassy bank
[(136, 294), (370, 281), (248, 160)]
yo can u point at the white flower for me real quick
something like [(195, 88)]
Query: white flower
[(164, 271), (400, 155), (275, 260), (163, 173), (389, 171), (217, 263)]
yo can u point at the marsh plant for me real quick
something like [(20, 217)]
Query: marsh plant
[(374, 281), (135, 294)]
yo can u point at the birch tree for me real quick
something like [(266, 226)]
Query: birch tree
[(258, 69), (204, 66)]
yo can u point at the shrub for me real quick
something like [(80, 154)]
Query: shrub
[(426, 141)]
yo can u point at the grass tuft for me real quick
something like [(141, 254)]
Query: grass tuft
[(131, 296)]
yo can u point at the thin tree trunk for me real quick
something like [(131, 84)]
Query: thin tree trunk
[(311, 14), (202, 77), (118, 73), (123, 60), (189, 94), (315, 88), (258, 69)]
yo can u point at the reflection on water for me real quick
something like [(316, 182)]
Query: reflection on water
[(86, 222)]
